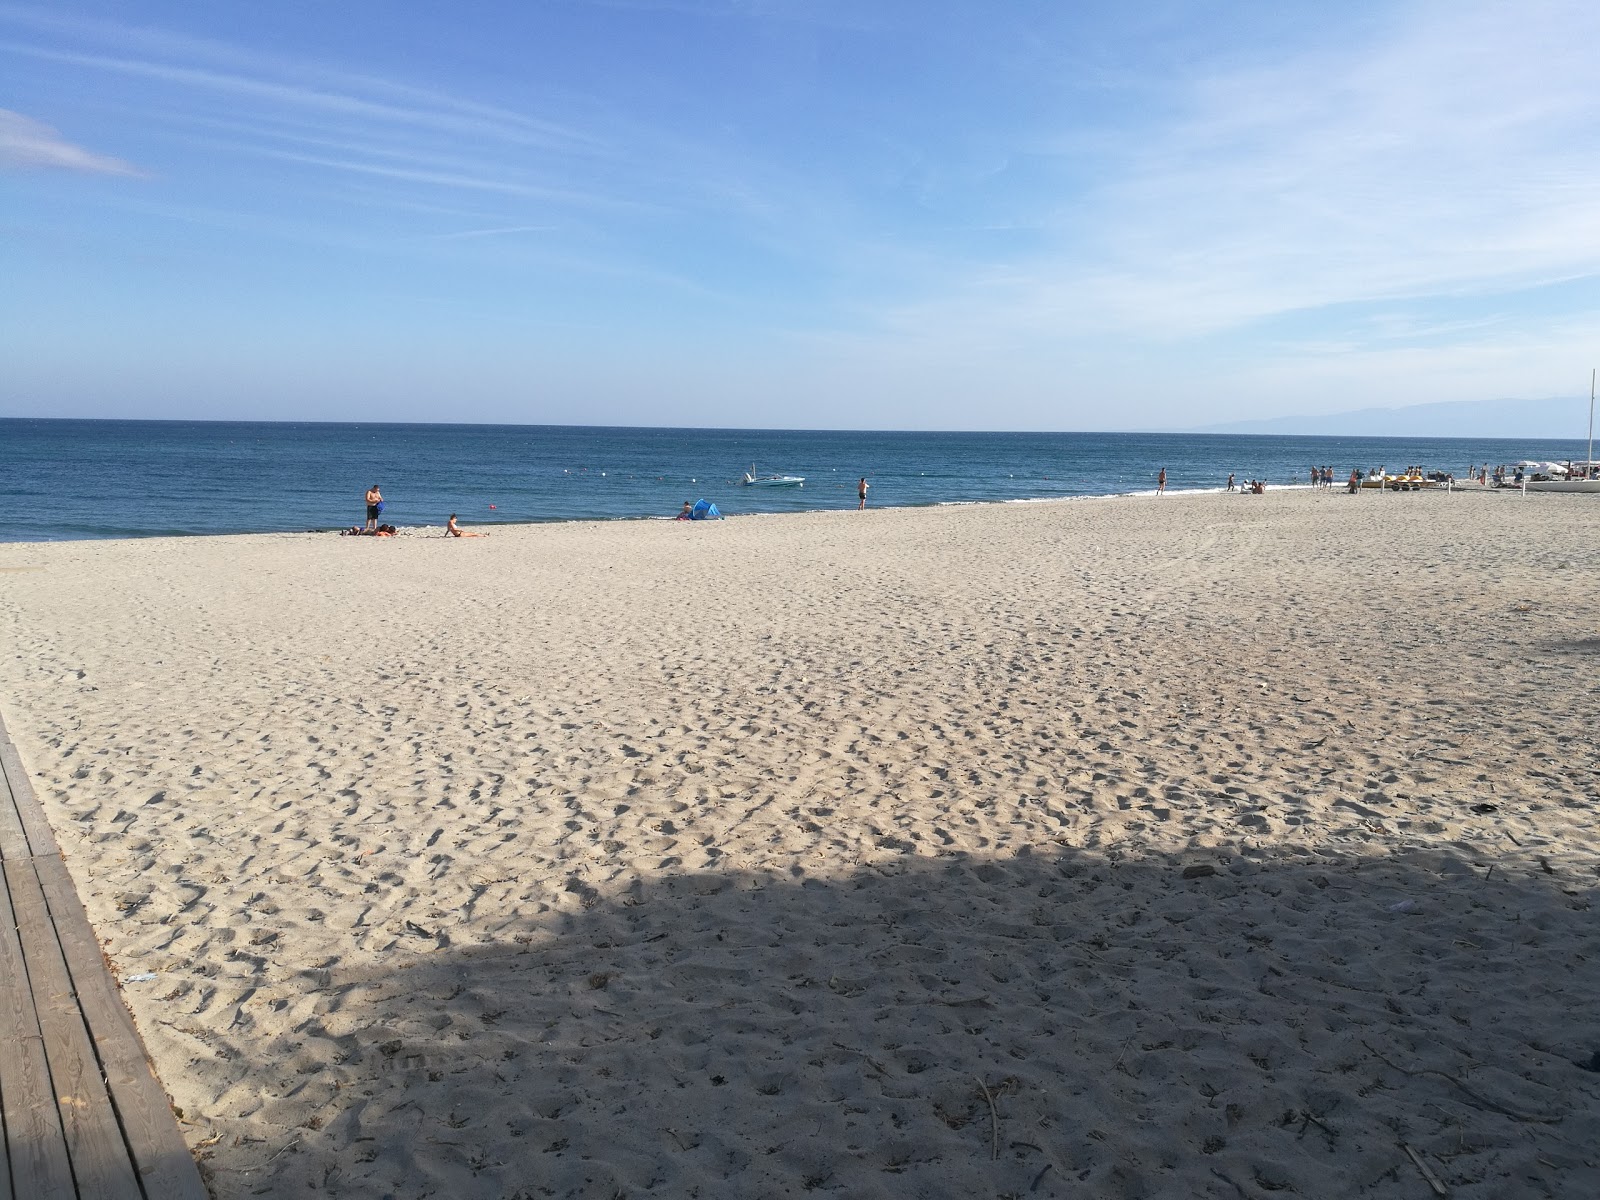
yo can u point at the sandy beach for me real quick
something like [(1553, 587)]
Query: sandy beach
[(1205, 845)]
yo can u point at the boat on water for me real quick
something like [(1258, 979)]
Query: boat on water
[(751, 479), (1573, 476)]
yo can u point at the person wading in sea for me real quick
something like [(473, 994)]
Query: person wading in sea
[(861, 491)]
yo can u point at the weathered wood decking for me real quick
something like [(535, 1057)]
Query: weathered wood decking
[(83, 1113)]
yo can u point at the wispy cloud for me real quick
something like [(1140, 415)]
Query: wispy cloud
[(507, 231), (447, 116), (26, 144), (1453, 151), (564, 151)]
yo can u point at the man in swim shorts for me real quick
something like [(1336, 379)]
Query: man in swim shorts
[(861, 490), (374, 499)]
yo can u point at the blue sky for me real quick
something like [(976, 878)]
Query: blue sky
[(928, 214)]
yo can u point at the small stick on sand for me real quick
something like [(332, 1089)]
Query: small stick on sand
[(1237, 1186), (1433, 1180), (994, 1119), (1117, 1066), (1479, 1100)]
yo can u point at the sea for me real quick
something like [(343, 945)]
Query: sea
[(75, 479)]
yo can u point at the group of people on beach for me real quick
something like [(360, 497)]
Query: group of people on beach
[(374, 502), (1322, 477), (1250, 487)]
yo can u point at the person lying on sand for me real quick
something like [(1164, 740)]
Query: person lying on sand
[(451, 529)]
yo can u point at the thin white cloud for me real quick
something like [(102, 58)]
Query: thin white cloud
[(1453, 152), (26, 144), (449, 118), (1455, 156), (503, 232)]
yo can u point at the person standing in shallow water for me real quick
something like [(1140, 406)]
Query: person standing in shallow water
[(374, 506), (861, 491), (1161, 482)]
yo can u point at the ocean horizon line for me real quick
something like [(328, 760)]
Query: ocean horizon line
[(1196, 432)]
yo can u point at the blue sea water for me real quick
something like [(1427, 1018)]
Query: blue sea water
[(70, 479)]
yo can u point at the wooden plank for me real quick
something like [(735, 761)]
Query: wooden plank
[(40, 838), (100, 1161), (35, 1143), (161, 1156), (13, 838)]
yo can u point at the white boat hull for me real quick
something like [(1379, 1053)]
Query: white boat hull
[(1564, 485)]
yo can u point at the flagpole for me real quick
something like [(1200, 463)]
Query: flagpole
[(1588, 464)]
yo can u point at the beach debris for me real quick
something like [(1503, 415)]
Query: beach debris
[(147, 976), (1039, 1178), (1433, 1180), (994, 1119), (1478, 1100), (1199, 871), (1485, 808), (693, 1141), (1117, 1066), (871, 1062), (1403, 906), (1237, 1186), (413, 927), (1307, 1120)]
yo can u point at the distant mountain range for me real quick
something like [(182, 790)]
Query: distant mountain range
[(1556, 417)]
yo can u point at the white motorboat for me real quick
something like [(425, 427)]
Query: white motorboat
[(1567, 477), (1574, 477), (751, 479)]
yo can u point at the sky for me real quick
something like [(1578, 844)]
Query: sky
[(910, 214)]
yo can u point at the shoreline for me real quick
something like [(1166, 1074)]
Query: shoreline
[(624, 861), (426, 529)]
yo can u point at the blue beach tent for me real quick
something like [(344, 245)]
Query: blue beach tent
[(704, 510)]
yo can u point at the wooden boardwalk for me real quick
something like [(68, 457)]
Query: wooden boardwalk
[(83, 1113)]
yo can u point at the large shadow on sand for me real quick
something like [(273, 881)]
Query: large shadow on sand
[(1061, 1024)]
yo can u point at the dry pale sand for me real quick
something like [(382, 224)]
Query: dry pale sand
[(849, 854)]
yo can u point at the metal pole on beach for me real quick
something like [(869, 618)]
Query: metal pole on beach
[(1588, 457)]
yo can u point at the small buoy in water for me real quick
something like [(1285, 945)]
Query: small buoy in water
[(491, 506)]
